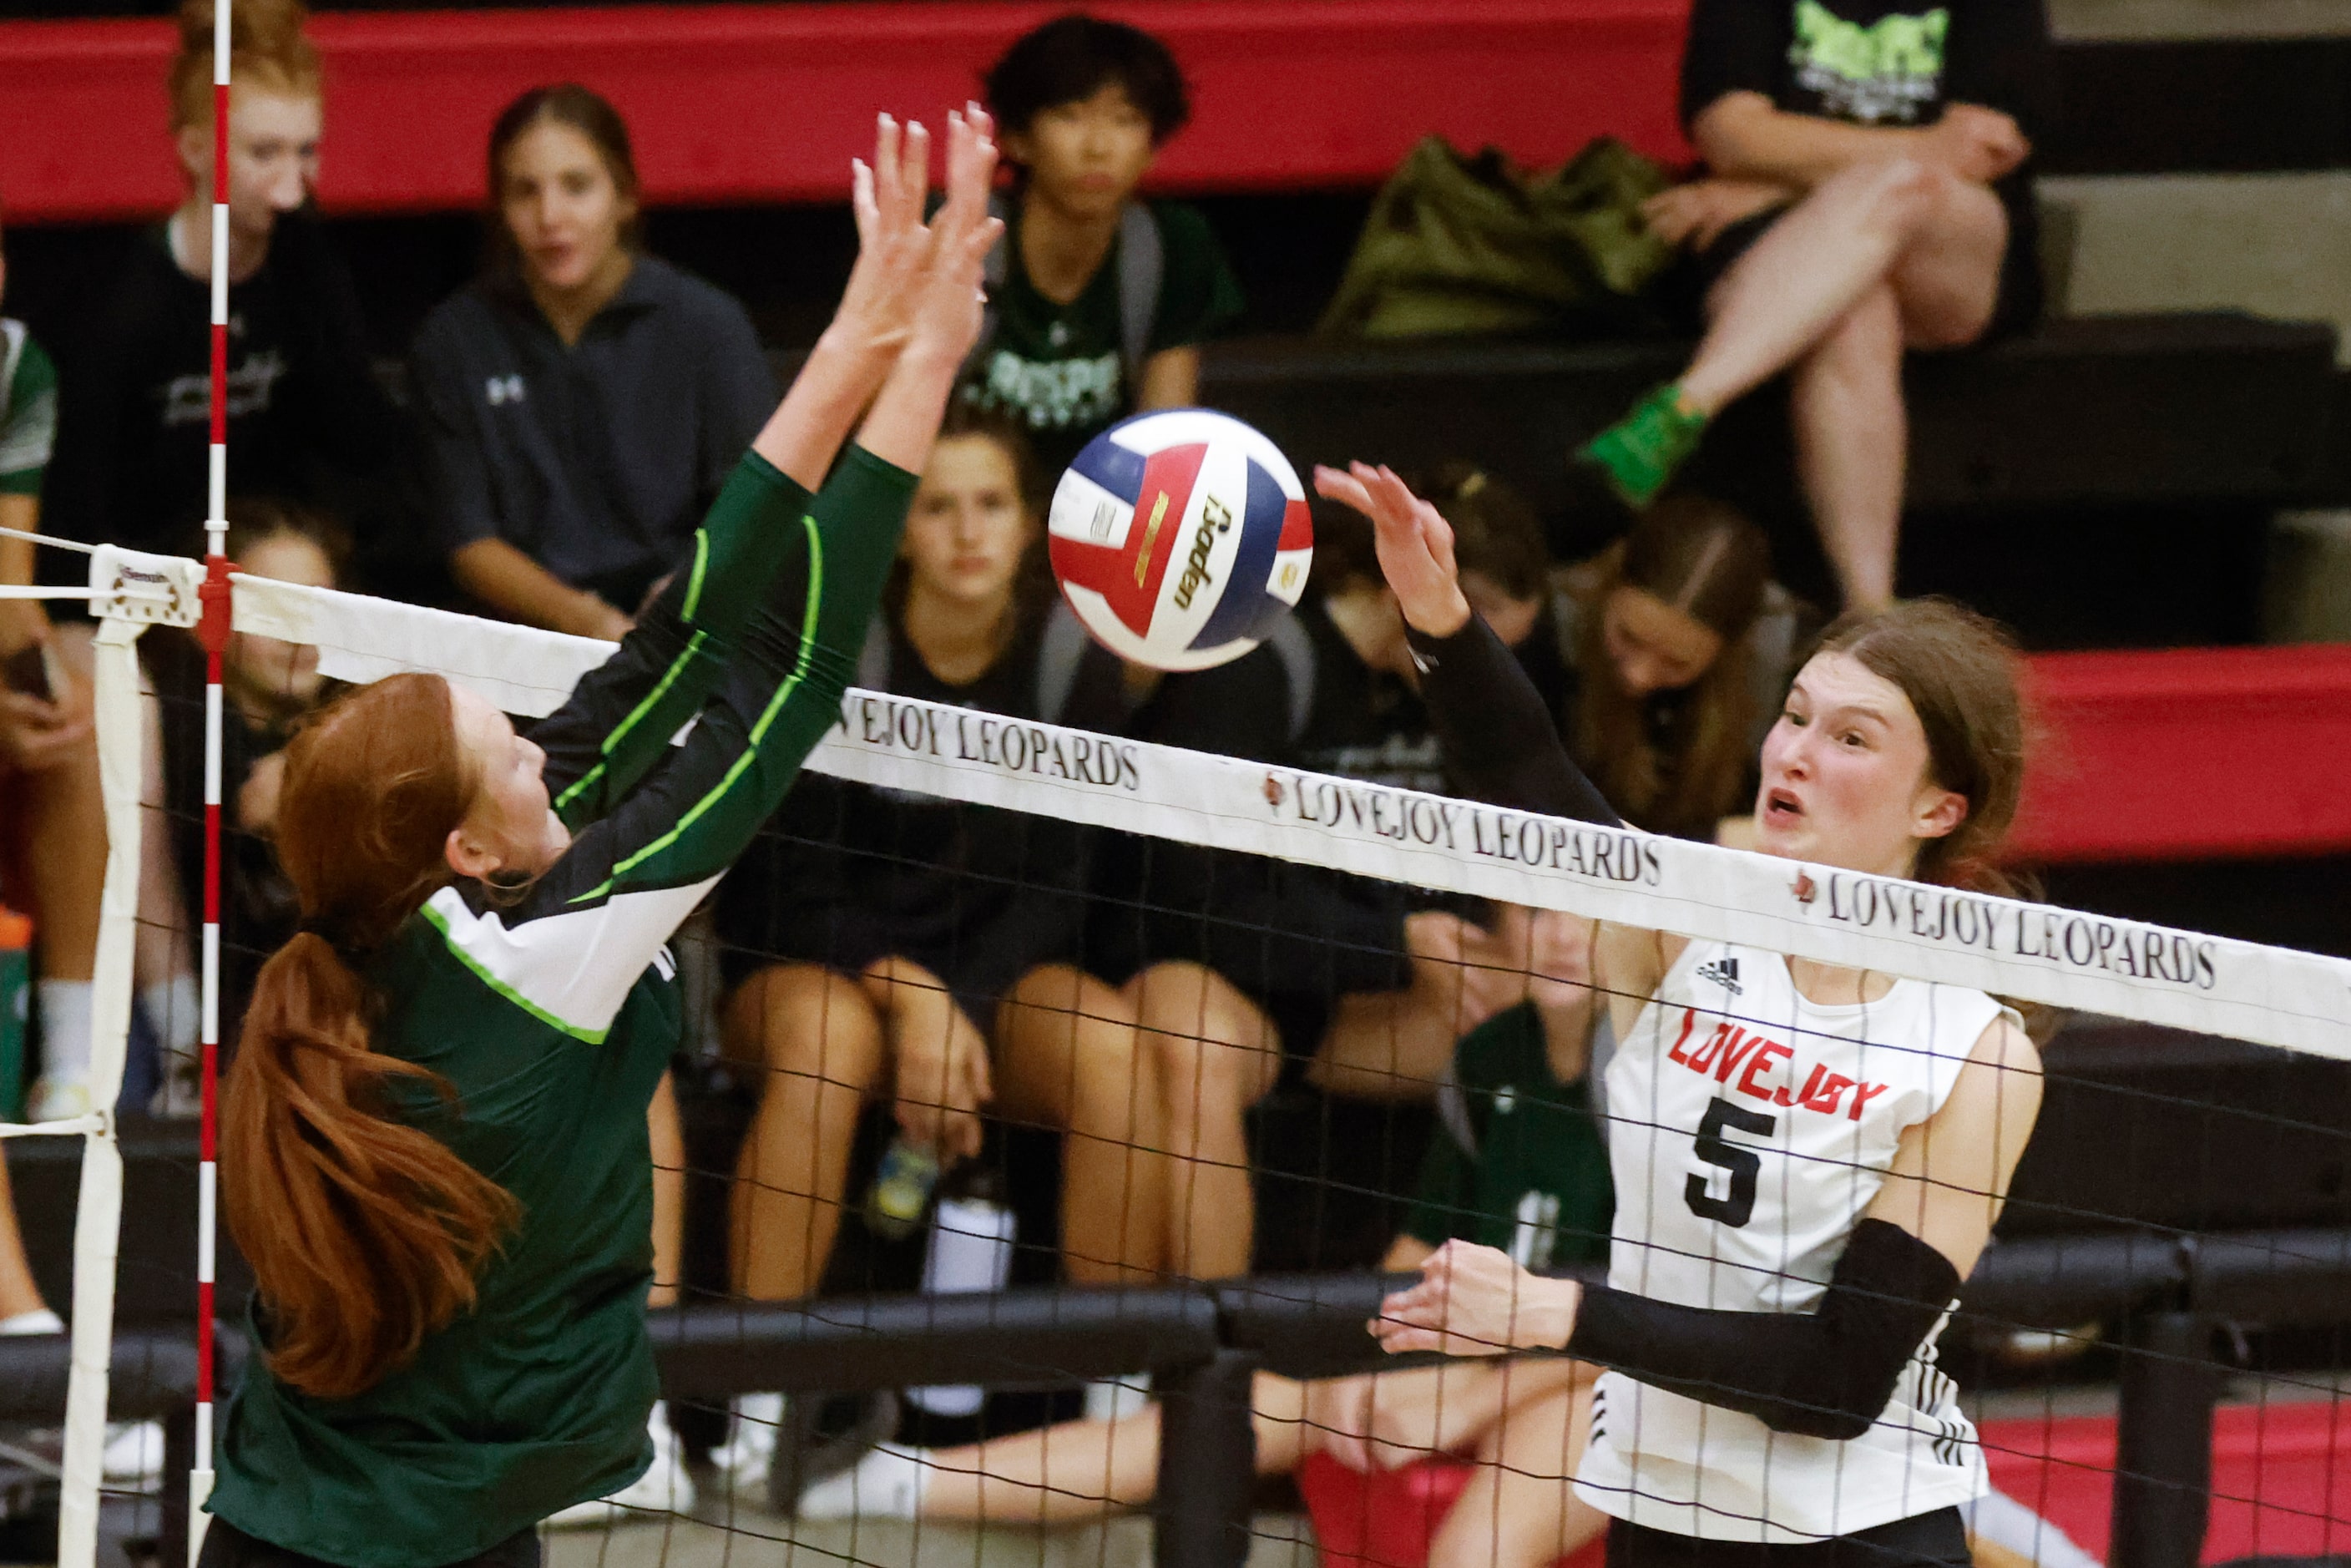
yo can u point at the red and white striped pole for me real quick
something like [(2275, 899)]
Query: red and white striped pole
[(212, 630)]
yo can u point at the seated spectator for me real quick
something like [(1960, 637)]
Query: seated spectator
[(583, 401), (1868, 191), (268, 688), (1099, 301), (1244, 966), (1535, 1182), (306, 420), (897, 938), (48, 750), (1677, 648)]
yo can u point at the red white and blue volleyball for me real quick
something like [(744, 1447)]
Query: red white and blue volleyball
[(1180, 538)]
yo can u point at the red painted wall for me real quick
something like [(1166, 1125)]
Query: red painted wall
[(751, 103), (2194, 753)]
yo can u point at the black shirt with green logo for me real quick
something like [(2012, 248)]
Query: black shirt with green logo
[(552, 1014), (1881, 62), (1517, 1160), (1059, 368)]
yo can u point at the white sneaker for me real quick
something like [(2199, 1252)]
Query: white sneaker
[(57, 1100), (887, 1483), (664, 1488), (748, 1458), (134, 1455), (180, 1097)]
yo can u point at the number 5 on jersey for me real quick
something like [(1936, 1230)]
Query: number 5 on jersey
[(1743, 1163)]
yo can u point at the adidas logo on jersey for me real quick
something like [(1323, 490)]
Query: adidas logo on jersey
[(1723, 972)]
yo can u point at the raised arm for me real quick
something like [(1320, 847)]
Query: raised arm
[(1500, 739), (575, 942), (620, 718)]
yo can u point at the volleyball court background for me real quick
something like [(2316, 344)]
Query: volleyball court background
[(2186, 1171)]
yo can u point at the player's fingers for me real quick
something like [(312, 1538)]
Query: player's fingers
[(1343, 488), (862, 205), (886, 170)]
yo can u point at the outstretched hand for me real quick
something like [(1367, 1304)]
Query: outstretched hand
[(948, 313), (1414, 541), (893, 248)]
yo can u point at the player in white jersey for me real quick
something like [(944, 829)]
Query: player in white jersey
[(1808, 1160)]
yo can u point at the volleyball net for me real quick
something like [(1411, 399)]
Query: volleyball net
[(1086, 1228)]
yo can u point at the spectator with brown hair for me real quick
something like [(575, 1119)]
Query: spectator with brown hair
[(583, 399), (1677, 647), (306, 416)]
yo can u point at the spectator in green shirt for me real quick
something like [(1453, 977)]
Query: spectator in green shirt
[(1099, 301)]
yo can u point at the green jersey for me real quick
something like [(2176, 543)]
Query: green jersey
[(1059, 368), (1517, 1160), (553, 1015), (28, 411)]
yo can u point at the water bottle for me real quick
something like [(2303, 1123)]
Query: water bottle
[(16, 1008), (971, 1249), (901, 1190)]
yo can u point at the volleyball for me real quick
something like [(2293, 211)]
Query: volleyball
[(1180, 536)]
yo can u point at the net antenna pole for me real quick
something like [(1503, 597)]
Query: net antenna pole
[(212, 631)]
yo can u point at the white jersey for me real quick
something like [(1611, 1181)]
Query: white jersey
[(1749, 1131)]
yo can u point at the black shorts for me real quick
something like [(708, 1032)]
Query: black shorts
[(226, 1546), (1686, 283), (1938, 1539)]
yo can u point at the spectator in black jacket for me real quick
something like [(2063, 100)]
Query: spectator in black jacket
[(583, 401), (307, 419), (1868, 190)]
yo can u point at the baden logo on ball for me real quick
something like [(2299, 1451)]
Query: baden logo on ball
[(1180, 538)]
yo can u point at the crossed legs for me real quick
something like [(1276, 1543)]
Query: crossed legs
[(1878, 258)]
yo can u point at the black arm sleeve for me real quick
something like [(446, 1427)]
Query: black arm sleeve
[(1825, 1374), (1498, 738)]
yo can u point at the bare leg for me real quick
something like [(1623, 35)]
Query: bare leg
[(1084, 1469), (1519, 1510), (1852, 443), (1386, 1046), (669, 1192), (1853, 232), (1068, 1057), (18, 1294), (65, 847), (1216, 1055), (821, 1043)]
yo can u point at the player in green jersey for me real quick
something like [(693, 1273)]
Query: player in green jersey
[(436, 1157)]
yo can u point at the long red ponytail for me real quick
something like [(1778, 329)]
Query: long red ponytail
[(365, 1234)]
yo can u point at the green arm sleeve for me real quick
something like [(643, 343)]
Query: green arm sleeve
[(618, 723), (694, 812)]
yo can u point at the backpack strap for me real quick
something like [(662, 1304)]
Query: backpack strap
[(1142, 269), (1059, 652)]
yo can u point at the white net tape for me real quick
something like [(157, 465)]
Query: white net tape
[(2031, 952)]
